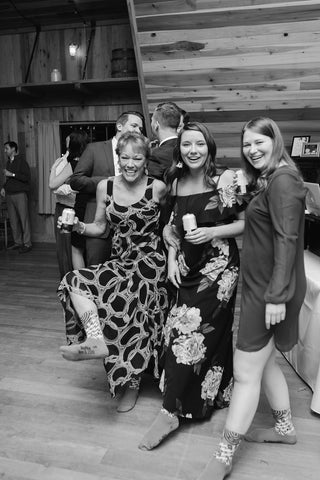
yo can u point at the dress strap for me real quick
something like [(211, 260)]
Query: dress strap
[(109, 186), (149, 190)]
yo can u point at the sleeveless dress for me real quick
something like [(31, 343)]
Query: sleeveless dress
[(198, 374), (129, 290)]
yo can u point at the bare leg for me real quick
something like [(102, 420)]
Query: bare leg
[(163, 425), (94, 346), (248, 372), (276, 389), (130, 395), (77, 258)]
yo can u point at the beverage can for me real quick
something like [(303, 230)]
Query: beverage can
[(67, 219), (189, 222)]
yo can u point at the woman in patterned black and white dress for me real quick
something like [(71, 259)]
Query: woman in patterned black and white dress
[(116, 310)]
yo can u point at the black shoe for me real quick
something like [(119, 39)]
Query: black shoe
[(25, 248), (15, 246)]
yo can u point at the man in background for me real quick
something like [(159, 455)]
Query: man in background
[(100, 161), (15, 189), (164, 124)]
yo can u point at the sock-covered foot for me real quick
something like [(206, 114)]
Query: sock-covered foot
[(215, 470), (128, 399), (270, 435), (163, 425), (90, 349), (220, 465)]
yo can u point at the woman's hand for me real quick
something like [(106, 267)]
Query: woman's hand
[(274, 314), (174, 273), (170, 238), (200, 235), (76, 224)]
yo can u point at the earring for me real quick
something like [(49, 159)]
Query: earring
[(179, 165), (146, 171)]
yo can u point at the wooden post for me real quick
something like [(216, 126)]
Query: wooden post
[(134, 31)]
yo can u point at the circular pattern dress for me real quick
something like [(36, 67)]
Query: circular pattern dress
[(129, 290), (198, 374)]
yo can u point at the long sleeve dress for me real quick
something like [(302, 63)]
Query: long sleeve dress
[(272, 262), (198, 333), (129, 291)]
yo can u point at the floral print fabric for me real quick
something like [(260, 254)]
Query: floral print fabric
[(129, 291), (197, 377)]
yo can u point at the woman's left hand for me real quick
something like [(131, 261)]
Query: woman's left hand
[(275, 313), (200, 235)]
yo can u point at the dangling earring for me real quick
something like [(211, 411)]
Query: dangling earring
[(179, 165)]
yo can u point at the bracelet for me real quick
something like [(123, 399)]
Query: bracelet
[(82, 228)]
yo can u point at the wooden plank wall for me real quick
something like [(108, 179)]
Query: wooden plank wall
[(52, 52), (226, 61)]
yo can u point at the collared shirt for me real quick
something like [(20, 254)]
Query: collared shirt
[(166, 139), (115, 156)]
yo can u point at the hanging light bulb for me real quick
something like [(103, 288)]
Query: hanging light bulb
[(73, 49)]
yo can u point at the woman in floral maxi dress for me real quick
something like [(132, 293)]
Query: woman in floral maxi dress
[(197, 377)]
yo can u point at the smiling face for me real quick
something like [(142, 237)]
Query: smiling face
[(132, 162), (258, 149), (133, 124), (193, 149)]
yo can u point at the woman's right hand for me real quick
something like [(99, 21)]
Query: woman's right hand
[(174, 273), (76, 224)]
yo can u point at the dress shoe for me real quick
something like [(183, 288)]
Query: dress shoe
[(15, 246), (25, 248)]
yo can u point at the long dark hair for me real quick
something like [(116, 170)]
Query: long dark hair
[(265, 126), (78, 141), (179, 169)]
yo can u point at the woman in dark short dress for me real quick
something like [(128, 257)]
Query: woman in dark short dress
[(272, 293), (198, 370), (116, 310)]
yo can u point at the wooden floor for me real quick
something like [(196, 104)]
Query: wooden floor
[(58, 422)]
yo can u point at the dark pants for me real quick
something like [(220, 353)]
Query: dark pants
[(63, 244), (19, 218)]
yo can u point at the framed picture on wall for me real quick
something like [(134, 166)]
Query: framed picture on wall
[(310, 149), (296, 147)]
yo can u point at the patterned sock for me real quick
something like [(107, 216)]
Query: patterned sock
[(284, 424), (282, 432), (220, 465), (91, 324), (227, 447), (93, 347)]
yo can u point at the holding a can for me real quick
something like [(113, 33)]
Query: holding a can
[(67, 220)]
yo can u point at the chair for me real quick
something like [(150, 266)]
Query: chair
[(4, 222)]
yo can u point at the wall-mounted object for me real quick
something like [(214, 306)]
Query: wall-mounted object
[(310, 150), (73, 47), (297, 143)]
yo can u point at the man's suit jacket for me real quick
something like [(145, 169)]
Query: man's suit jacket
[(95, 164), (161, 158)]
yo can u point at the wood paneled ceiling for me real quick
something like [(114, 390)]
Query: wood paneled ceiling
[(230, 56), (26, 15)]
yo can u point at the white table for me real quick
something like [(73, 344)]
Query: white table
[(305, 356)]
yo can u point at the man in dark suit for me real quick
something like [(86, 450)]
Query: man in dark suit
[(164, 124), (99, 161)]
